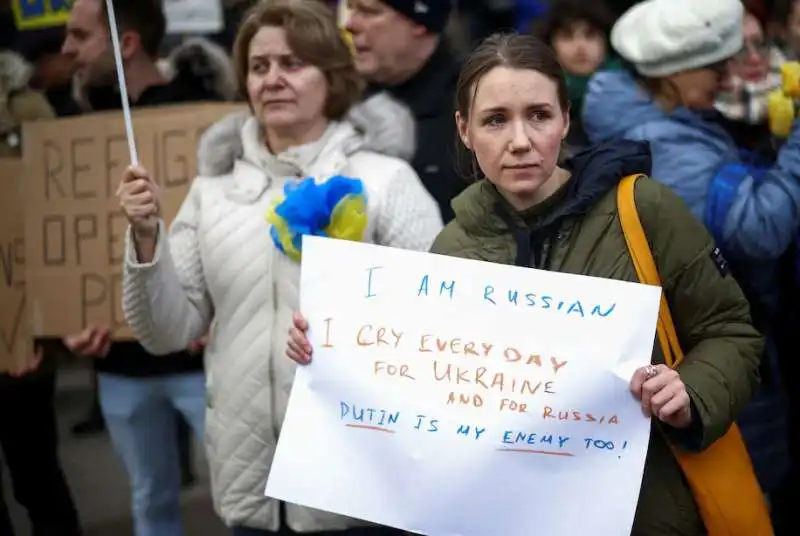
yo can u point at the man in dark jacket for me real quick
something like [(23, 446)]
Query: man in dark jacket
[(399, 47), (139, 392)]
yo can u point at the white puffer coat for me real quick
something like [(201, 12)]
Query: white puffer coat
[(219, 269)]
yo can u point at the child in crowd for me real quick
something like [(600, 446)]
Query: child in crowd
[(579, 32)]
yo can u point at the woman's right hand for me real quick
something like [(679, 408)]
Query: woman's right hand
[(298, 348), (139, 198)]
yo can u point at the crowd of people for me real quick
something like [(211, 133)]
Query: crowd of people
[(508, 150)]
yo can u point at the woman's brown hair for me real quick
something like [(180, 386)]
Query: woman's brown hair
[(314, 37), (514, 51)]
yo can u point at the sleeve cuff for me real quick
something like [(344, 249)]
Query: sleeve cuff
[(131, 260), (689, 439)]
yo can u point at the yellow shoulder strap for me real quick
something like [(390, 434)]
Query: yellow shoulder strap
[(645, 265)]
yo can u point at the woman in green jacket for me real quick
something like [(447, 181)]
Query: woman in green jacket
[(525, 210)]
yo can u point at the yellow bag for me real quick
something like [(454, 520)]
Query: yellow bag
[(721, 477)]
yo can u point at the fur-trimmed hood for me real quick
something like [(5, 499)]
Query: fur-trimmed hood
[(197, 63), (380, 124), (18, 102), (201, 60), (15, 72)]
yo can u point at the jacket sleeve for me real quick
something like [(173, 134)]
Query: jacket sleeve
[(765, 215), (712, 317), (409, 216), (166, 301)]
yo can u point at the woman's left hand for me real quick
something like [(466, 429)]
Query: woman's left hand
[(195, 347), (663, 395)]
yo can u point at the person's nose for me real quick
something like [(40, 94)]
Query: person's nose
[(67, 48), (352, 22), (274, 77), (520, 138), (754, 57)]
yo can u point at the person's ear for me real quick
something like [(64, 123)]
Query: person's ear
[(129, 43), (463, 130), (566, 123), (419, 31)]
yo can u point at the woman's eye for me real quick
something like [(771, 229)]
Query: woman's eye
[(292, 63), (493, 120), (540, 116)]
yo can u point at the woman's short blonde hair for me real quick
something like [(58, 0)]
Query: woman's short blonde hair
[(314, 37)]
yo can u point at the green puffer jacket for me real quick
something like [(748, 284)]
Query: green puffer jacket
[(578, 231)]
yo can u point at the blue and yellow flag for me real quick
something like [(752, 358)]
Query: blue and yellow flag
[(38, 14)]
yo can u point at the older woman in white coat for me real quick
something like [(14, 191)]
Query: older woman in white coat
[(223, 268)]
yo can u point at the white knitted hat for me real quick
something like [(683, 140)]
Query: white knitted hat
[(663, 37)]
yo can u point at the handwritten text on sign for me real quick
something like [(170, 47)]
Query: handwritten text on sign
[(453, 397)]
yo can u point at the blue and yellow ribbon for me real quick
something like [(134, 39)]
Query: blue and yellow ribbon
[(336, 208)]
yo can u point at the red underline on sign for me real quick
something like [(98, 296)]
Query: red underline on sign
[(532, 451), (370, 427)]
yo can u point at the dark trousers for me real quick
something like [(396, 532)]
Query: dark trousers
[(28, 438)]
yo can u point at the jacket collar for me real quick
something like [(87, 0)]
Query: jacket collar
[(429, 93), (482, 211), (380, 124), (258, 170)]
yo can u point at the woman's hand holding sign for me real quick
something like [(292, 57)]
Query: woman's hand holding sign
[(663, 395), (299, 349), (139, 198)]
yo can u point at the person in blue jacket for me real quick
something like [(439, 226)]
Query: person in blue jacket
[(677, 52)]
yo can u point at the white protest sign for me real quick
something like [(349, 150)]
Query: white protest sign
[(458, 398), (194, 16)]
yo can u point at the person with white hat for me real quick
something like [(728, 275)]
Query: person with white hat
[(678, 53)]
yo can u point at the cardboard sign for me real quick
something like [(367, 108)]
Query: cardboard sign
[(74, 226), (14, 333)]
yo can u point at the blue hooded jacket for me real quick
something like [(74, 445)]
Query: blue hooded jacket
[(689, 150), (754, 221)]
